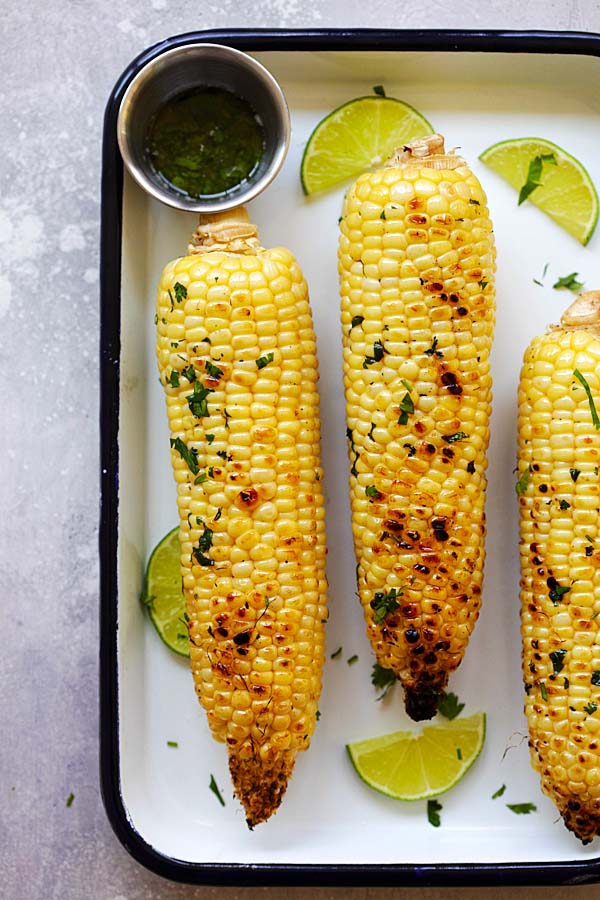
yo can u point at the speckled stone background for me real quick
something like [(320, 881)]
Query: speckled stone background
[(59, 63)]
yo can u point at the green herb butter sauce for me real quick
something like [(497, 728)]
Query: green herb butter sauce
[(205, 141)]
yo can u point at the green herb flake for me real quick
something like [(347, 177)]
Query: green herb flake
[(210, 438), (353, 469), (522, 809), (156, 318), (173, 379), (180, 291), (382, 679), (557, 592), (564, 504), (189, 373), (566, 684), (483, 284), (433, 813), (411, 449), (352, 659), (596, 614), (188, 456), (224, 455), (212, 370), (458, 753), (499, 792), (587, 389), (218, 515), (70, 799), (378, 351), (371, 430), (356, 320), (336, 653), (569, 282), (596, 677), (204, 545), (263, 361), (227, 418), (574, 473), (172, 744), (407, 407), (318, 715), (371, 491), (379, 90), (449, 705), (534, 174), (457, 436), (214, 788), (433, 351), (557, 658), (201, 478), (382, 214), (523, 482), (471, 467), (197, 401), (591, 707), (385, 603), (543, 690)]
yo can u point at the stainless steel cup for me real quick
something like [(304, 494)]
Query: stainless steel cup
[(202, 65)]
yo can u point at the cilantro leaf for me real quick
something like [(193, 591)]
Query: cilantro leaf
[(449, 705), (522, 809), (385, 603), (569, 282), (214, 788), (433, 813), (189, 456), (499, 792), (523, 482), (382, 679), (534, 175), (587, 389)]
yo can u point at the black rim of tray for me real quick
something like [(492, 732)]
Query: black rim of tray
[(255, 40)]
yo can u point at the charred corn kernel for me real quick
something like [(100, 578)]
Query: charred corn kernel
[(416, 265), (559, 497), (239, 379)]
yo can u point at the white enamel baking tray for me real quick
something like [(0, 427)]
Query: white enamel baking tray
[(476, 89)]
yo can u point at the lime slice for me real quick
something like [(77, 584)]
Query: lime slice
[(355, 137), (409, 766), (566, 192), (162, 594)]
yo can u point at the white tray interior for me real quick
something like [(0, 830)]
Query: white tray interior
[(328, 815)]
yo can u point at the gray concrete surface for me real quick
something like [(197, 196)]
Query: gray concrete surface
[(59, 63)]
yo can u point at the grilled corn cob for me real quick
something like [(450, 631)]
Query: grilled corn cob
[(559, 497), (416, 265), (236, 355)]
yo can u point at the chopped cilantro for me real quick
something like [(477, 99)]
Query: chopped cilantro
[(214, 788), (543, 690), (212, 370), (189, 373), (433, 813), (336, 653), (575, 473), (385, 603), (70, 799), (534, 174), (523, 482), (406, 406), (263, 361), (595, 676), (356, 320), (227, 418), (557, 591), (557, 658), (204, 545), (471, 467), (564, 504), (449, 705), (218, 514), (522, 809), (459, 753), (499, 792), (382, 679), (352, 659), (180, 291), (591, 707), (201, 478), (353, 469), (210, 438), (188, 456), (378, 352), (173, 379), (371, 491), (586, 387), (457, 436), (197, 401), (172, 744), (433, 351), (318, 715), (379, 90), (569, 282), (382, 214)]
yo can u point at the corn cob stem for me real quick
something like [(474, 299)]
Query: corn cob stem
[(237, 358), (416, 263), (559, 498)]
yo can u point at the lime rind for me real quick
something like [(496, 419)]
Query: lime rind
[(352, 139), (422, 785), (567, 194), (160, 595)]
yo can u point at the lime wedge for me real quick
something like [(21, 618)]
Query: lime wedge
[(162, 594), (409, 766), (566, 192), (355, 137)]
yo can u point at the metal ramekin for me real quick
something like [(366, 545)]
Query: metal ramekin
[(202, 65)]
